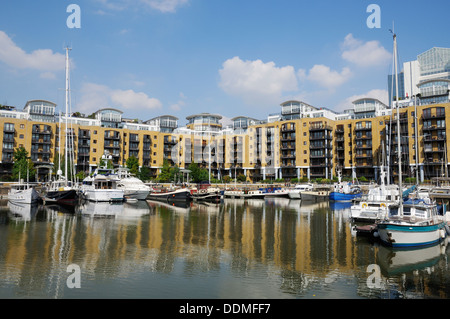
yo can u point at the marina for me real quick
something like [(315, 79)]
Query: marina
[(236, 248)]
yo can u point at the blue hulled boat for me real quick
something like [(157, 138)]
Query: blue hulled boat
[(344, 191)]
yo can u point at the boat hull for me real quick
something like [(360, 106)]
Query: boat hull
[(104, 195), (62, 197), (136, 194), (411, 236), (343, 197), (244, 195), (27, 196), (314, 196), (176, 196), (294, 195)]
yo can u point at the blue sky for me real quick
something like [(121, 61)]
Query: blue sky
[(182, 57)]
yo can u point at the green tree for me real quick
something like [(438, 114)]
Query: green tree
[(23, 165), (198, 174), (133, 165), (168, 173), (144, 174)]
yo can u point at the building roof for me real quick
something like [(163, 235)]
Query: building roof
[(203, 114)]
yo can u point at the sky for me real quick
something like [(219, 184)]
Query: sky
[(233, 58)]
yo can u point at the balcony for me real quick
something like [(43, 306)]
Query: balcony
[(320, 128), (440, 115)]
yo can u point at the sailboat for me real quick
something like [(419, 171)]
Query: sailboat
[(414, 223), (62, 190)]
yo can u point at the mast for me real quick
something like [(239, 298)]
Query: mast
[(399, 147), (67, 107)]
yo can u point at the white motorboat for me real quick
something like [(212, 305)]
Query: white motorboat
[(102, 187), (374, 206), (132, 186), (295, 193)]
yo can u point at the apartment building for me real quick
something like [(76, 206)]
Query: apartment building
[(301, 141)]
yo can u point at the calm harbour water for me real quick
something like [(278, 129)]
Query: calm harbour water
[(272, 248)]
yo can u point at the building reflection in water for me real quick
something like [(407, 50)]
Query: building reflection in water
[(298, 246)]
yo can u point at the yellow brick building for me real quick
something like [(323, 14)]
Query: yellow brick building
[(300, 142)]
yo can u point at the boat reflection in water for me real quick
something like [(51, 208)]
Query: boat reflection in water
[(175, 206), (114, 209), (409, 273), (22, 212), (340, 205), (394, 262), (268, 248)]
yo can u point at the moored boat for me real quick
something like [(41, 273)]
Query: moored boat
[(245, 194), (296, 192), (414, 223), (207, 193), (23, 193), (132, 186), (168, 195), (374, 205), (102, 187), (344, 191)]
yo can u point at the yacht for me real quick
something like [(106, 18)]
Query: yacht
[(102, 186), (132, 186), (296, 192), (374, 205)]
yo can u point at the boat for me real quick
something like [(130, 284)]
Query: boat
[(102, 186), (374, 205), (344, 191), (23, 193), (132, 186), (318, 194), (62, 190), (414, 223), (206, 193), (170, 195), (295, 193), (245, 194), (276, 192)]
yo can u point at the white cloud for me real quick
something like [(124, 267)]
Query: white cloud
[(366, 54), (381, 95), (255, 81), (96, 96), (165, 5), (42, 60), (180, 103), (325, 77)]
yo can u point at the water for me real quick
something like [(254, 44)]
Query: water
[(277, 248)]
